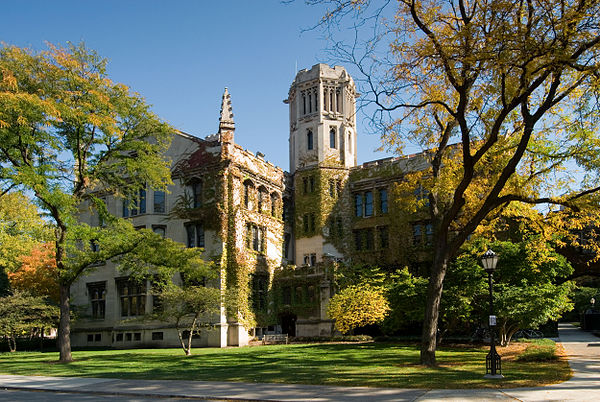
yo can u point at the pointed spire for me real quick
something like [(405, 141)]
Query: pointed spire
[(226, 120)]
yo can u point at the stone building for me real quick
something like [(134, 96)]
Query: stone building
[(277, 236)]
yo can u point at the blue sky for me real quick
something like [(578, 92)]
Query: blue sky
[(181, 54)]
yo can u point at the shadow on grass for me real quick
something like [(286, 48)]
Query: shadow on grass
[(369, 364)]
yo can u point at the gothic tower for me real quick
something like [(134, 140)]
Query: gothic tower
[(322, 148)]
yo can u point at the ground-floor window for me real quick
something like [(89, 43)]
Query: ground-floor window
[(132, 296)]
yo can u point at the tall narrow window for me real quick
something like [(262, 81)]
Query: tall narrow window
[(309, 140), (417, 234), (309, 103), (97, 293), (159, 202), (383, 201), (370, 239), (125, 208), (286, 210), (255, 237), (369, 203), (303, 104), (358, 205), (274, 204), (260, 284), (331, 187), (262, 199), (349, 143), (305, 224), (428, 234), (142, 201), (340, 227), (384, 240), (305, 185), (332, 138), (248, 189), (197, 194), (338, 101), (357, 240), (286, 245), (195, 235), (311, 184), (330, 100)]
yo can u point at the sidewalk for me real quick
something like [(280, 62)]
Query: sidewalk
[(583, 350)]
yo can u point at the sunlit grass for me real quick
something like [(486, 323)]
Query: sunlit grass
[(368, 364)]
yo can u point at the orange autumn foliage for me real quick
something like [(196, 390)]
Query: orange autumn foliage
[(38, 273)]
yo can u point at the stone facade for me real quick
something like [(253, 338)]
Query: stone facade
[(276, 236)]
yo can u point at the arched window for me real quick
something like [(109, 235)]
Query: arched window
[(332, 138)]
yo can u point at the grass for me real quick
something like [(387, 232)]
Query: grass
[(538, 350), (366, 364)]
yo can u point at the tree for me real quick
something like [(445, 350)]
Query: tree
[(190, 308), (20, 313), (528, 285), (356, 306), (66, 133), (21, 229), (37, 274), (502, 94)]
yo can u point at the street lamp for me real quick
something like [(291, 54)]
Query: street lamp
[(493, 362)]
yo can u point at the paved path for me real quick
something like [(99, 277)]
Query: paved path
[(583, 350)]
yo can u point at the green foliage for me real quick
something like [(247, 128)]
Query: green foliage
[(4, 283), (66, 133), (406, 295), (357, 306), (190, 308), (20, 313), (581, 300), (526, 293), (500, 130)]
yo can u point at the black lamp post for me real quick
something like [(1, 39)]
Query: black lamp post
[(493, 363)]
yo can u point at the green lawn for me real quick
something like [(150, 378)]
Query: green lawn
[(367, 364)]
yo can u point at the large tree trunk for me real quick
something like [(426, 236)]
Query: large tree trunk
[(64, 325), (432, 309)]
